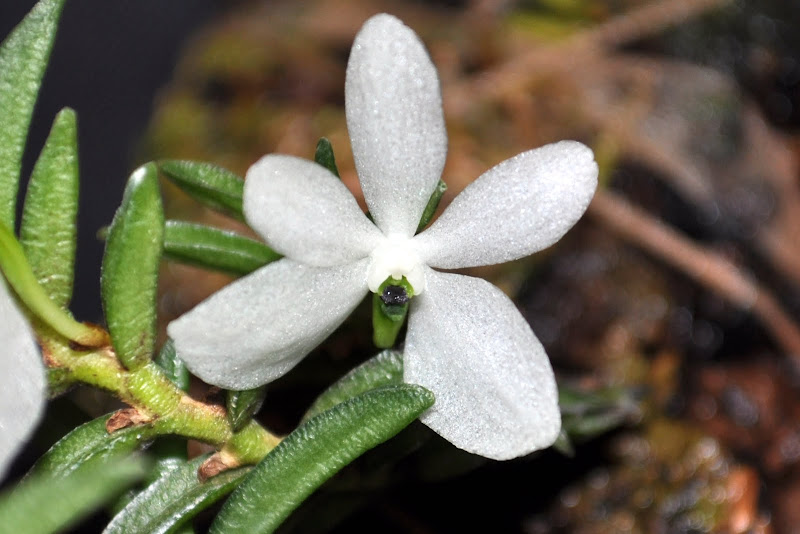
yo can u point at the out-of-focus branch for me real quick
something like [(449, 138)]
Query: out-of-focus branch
[(516, 73), (705, 266)]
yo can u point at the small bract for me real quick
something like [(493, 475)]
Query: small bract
[(466, 342), (23, 388)]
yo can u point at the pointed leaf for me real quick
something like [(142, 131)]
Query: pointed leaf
[(216, 249), (243, 405), (385, 369), (589, 413), (316, 451), (324, 156), (174, 499), (433, 203), (90, 443), (48, 232), (23, 60), (130, 268), (43, 504), (217, 188)]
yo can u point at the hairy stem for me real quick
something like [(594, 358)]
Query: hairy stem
[(158, 403)]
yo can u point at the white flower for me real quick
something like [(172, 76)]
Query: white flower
[(23, 388), (466, 342)]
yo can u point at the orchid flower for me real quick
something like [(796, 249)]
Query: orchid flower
[(22, 382), (466, 342)]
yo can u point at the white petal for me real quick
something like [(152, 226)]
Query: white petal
[(257, 328), (306, 213), (394, 115), (516, 208), (495, 391), (22, 382)]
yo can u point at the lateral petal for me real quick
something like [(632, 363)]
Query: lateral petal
[(306, 213), (394, 116), (516, 208), (260, 326), (495, 390)]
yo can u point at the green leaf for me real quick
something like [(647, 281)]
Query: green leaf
[(174, 499), (243, 405), (324, 156), (20, 276), (385, 369), (48, 232), (217, 188), (173, 366), (130, 268), (433, 203), (587, 413), (216, 249), (90, 443), (43, 504), (23, 60), (316, 451)]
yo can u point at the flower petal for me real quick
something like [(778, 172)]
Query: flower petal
[(394, 115), (516, 208), (306, 213), (23, 389), (495, 391), (257, 328)]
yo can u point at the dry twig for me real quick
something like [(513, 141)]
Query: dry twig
[(705, 266), (519, 71)]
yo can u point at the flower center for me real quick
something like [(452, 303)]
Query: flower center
[(396, 257)]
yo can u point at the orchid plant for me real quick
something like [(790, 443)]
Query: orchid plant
[(470, 367)]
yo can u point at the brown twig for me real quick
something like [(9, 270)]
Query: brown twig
[(705, 266), (516, 73)]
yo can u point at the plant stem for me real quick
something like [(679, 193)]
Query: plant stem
[(162, 408)]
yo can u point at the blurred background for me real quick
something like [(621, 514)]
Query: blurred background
[(677, 296)]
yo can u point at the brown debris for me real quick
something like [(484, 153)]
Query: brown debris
[(216, 464), (125, 418)]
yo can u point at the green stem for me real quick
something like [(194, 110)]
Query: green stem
[(164, 407)]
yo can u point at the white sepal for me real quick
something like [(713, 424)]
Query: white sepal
[(23, 388), (394, 116), (495, 390)]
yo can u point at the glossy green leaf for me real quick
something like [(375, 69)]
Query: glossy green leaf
[(23, 60), (173, 499), (433, 203), (316, 451), (43, 504), (385, 369), (243, 405), (90, 443), (130, 268), (173, 366), (48, 233), (216, 249), (324, 156), (20, 276), (217, 188)]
